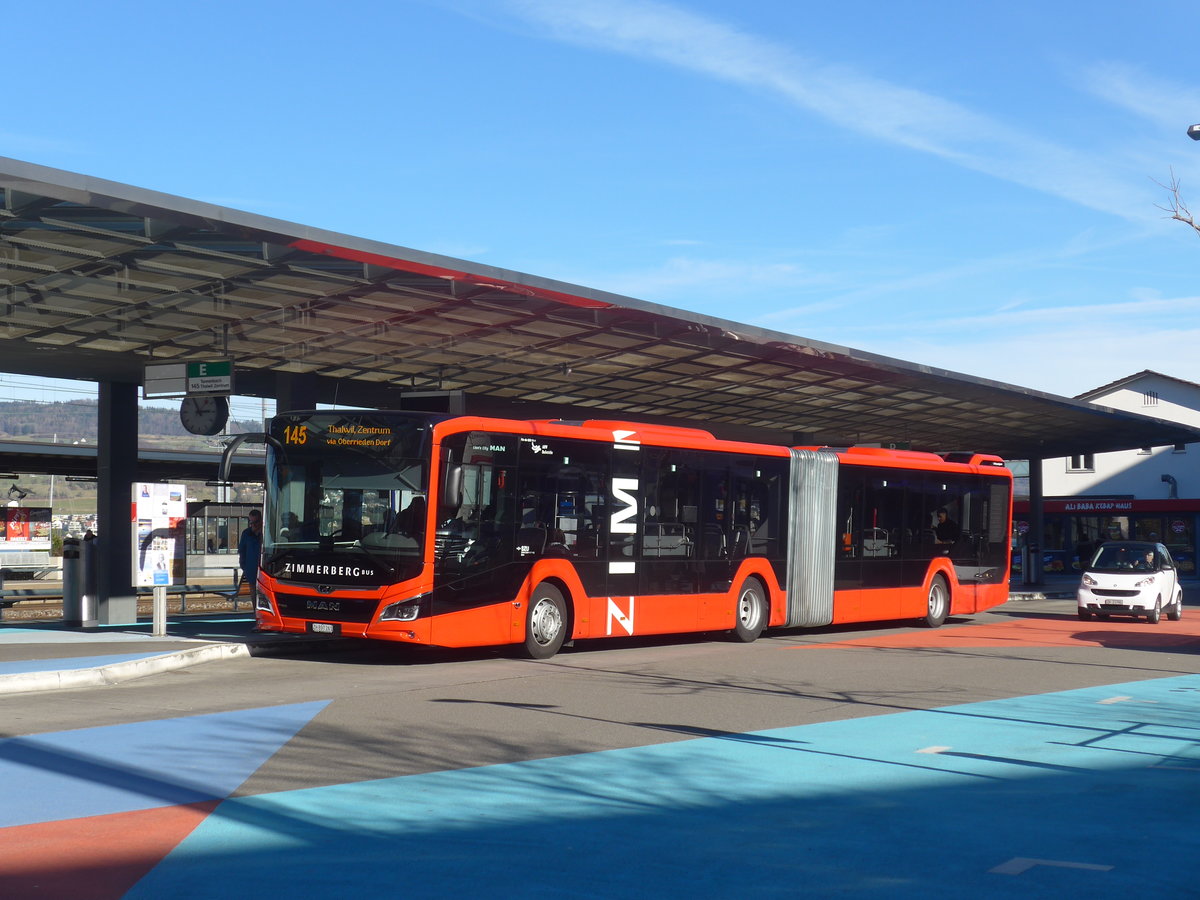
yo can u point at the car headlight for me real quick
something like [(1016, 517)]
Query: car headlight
[(1089, 580), (1144, 581)]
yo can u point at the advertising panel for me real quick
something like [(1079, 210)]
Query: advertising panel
[(159, 526), (25, 528)]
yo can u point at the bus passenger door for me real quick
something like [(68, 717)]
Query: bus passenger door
[(671, 539), (982, 561), (880, 542)]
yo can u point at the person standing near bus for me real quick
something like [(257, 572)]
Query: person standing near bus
[(250, 551)]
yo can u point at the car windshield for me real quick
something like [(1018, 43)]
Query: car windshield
[(1120, 556)]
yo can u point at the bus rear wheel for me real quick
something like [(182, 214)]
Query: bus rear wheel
[(938, 603), (751, 612), (545, 622)]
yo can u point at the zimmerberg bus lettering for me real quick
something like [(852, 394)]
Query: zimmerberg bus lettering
[(317, 569), (624, 521), (615, 612)]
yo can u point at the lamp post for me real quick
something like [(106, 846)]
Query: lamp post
[(1194, 132)]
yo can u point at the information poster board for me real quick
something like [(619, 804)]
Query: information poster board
[(159, 528)]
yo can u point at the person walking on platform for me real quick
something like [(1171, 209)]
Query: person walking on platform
[(250, 552)]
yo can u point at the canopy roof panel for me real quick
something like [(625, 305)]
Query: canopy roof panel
[(101, 279)]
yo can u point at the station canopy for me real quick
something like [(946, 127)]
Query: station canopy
[(102, 279)]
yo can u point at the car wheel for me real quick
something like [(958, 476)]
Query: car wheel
[(751, 612), (1175, 610), (1084, 615), (1155, 615), (546, 622), (938, 605)]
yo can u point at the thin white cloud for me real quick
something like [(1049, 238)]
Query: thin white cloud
[(1066, 361), (850, 98), (1124, 319), (969, 272), (683, 276), (1063, 350), (1169, 105)]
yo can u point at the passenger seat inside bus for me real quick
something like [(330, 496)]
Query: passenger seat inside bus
[(531, 541)]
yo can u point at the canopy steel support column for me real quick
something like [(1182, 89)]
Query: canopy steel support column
[(116, 470), (1036, 539)]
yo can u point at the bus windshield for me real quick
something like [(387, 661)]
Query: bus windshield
[(346, 497)]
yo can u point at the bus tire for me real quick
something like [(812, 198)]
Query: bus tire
[(545, 622), (937, 603), (751, 612)]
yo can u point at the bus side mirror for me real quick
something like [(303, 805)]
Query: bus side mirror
[(452, 482)]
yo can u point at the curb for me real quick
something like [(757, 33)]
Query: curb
[(115, 673), (130, 670)]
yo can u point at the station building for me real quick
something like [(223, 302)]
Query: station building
[(1148, 493)]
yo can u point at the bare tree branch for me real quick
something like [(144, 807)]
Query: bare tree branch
[(1178, 209)]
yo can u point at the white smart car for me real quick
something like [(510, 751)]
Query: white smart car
[(1131, 578)]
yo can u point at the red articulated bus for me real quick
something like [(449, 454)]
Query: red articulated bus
[(460, 531)]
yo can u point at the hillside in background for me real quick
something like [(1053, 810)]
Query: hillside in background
[(75, 420)]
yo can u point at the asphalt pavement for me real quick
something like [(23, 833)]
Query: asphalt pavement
[(1017, 754), (47, 655)]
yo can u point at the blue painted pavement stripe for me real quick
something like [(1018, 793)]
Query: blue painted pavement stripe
[(142, 765), (13, 635), (67, 663), (916, 804)]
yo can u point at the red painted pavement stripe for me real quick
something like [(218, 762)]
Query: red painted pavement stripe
[(98, 857)]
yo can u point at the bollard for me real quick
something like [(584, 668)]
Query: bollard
[(159, 611)]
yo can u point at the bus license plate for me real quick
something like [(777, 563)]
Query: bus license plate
[(323, 628)]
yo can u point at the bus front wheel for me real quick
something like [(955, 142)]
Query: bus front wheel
[(545, 622), (751, 612), (938, 603)]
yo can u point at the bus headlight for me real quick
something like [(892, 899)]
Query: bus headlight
[(403, 610), (263, 602)]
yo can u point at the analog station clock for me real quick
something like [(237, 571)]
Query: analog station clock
[(204, 415)]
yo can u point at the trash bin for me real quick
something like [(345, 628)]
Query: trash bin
[(1031, 564), (72, 576)]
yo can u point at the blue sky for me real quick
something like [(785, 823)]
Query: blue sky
[(971, 186)]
